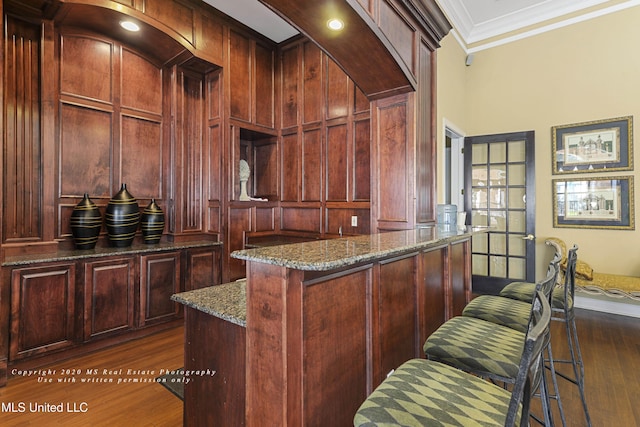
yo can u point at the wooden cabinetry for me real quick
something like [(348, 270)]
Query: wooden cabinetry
[(159, 279), (202, 268), (318, 342), (251, 80), (51, 309), (43, 309), (109, 287)]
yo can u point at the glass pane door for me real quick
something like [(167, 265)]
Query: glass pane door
[(499, 190)]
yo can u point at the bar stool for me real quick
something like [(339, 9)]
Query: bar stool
[(424, 392), (515, 314), (562, 306), (486, 349)]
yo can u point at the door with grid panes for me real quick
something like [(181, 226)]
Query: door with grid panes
[(500, 193)]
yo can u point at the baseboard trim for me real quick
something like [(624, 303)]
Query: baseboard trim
[(607, 306)]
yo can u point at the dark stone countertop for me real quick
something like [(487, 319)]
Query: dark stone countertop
[(227, 301), (100, 252), (323, 255)]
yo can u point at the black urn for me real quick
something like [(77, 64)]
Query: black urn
[(152, 223), (85, 223), (122, 218)]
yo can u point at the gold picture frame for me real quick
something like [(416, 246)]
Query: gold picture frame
[(596, 146)]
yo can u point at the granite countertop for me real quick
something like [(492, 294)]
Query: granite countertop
[(330, 254), (75, 254), (227, 302)]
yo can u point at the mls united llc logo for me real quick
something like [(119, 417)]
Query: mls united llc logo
[(68, 407)]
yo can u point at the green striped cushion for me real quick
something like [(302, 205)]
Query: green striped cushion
[(523, 291), (427, 393), (500, 310), (477, 346)]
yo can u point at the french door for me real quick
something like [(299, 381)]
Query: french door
[(500, 193)]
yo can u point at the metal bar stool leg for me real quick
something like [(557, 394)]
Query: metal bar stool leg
[(576, 362)]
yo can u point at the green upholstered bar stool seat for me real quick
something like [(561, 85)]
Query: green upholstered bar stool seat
[(500, 310), (430, 393), (477, 346), (510, 312), (523, 291), (426, 393)]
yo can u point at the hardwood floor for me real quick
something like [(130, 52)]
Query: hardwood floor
[(106, 404), (610, 349), (610, 345)]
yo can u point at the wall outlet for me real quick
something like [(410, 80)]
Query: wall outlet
[(354, 221)]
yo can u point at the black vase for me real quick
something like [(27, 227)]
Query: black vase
[(85, 223), (152, 223), (122, 218)]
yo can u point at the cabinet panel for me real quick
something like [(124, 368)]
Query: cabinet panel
[(300, 219), (312, 90), (290, 168), (159, 279), (85, 167), (239, 224), (311, 165), (333, 315), (337, 91), (264, 81), (397, 314), (142, 89), (202, 268), (432, 296), (393, 161), (108, 296), (21, 173), (142, 139), (362, 162), (240, 76), (177, 15), (42, 309), (87, 67), (460, 277), (336, 167), (290, 87)]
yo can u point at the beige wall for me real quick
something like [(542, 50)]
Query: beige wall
[(583, 72)]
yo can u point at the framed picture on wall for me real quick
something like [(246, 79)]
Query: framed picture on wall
[(605, 202), (597, 146)]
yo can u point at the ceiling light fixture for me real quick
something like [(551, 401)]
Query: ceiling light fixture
[(129, 26), (335, 24)]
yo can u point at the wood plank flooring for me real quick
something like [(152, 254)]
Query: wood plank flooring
[(611, 351), (107, 404), (610, 344)]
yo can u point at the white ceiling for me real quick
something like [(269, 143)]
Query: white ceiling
[(255, 15), (473, 20), (478, 20)]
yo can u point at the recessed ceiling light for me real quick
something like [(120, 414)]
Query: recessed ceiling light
[(129, 26), (335, 24)]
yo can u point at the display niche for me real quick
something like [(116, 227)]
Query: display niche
[(259, 151)]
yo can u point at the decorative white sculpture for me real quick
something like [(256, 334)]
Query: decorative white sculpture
[(244, 177)]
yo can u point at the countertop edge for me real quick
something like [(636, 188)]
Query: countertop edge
[(261, 255), (226, 301), (73, 255)]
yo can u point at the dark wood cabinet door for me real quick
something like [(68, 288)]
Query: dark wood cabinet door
[(108, 296), (202, 268), (42, 309), (432, 292), (159, 279), (397, 314), (460, 277)]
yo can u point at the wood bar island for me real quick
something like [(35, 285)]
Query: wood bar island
[(327, 320)]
